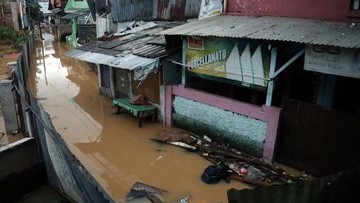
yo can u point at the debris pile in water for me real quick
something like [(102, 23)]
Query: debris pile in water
[(238, 165)]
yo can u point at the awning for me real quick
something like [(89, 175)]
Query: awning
[(129, 61), (308, 31), (70, 14)]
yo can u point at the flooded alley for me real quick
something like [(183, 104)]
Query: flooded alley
[(111, 146)]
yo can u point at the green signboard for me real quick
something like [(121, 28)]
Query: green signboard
[(226, 58)]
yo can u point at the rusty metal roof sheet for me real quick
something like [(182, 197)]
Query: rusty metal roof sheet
[(150, 51), (127, 52), (299, 30), (128, 61), (89, 56), (128, 10), (75, 14)]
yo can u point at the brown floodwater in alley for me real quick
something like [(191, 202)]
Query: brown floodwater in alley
[(113, 149)]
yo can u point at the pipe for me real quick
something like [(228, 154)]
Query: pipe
[(225, 6), (21, 15)]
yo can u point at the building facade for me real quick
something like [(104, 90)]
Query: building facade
[(270, 77)]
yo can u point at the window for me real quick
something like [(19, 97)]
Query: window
[(355, 5)]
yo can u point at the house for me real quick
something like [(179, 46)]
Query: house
[(72, 19), (13, 14), (273, 78), (130, 57), (131, 64)]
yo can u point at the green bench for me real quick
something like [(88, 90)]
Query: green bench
[(139, 111)]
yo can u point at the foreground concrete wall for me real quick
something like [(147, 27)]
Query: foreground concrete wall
[(248, 134), (20, 170), (18, 156)]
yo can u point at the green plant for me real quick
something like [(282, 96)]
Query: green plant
[(12, 36), (18, 39), (33, 9), (5, 34)]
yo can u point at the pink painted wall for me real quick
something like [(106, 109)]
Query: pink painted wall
[(338, 10), (269, 114)]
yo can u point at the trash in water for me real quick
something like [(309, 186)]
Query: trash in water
[(183, 200), (139, 190)]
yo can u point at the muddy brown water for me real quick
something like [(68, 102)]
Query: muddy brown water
[(114, 150)]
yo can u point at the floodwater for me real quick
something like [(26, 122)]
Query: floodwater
[(114, 150)]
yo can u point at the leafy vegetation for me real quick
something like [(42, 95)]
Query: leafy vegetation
[(13, 37), (33, 8)]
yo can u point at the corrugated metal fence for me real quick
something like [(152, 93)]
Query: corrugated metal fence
[(64, 171), (342, 187), (177, 10)]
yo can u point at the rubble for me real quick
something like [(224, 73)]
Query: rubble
[(241, 166)]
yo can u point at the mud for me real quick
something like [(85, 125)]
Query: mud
[(112, 147)]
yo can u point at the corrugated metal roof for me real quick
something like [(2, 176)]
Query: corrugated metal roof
[(342, 187), (75, 14), (150, 51), (299, 30), (129, 61), (128, 10), (127, 52), (177, 10), (89, 56), (192, 8)]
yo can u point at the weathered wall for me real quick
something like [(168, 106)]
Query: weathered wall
[(128, 10), (178, 10), (18, 156), (248, 134), (320, 9), (7, 104), (9, 14), (20, 170), (102, 25)]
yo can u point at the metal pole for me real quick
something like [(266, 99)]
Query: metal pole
[(183, 71), (271, 76)]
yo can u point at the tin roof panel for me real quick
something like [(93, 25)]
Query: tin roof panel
[(310, 31)]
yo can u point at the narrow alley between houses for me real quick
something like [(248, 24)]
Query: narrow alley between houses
[(111, 146)]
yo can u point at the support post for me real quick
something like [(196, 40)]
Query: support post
[(183, 72), (112, 82), (271, 76)]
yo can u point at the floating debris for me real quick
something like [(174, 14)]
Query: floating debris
[(139, 190), (184, 200), (242, 167)]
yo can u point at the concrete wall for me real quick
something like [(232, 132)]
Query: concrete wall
[(9, 14), (20, 170), (247, 134), (18, 156), (320, 9), (7, 104), (250, 127)]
